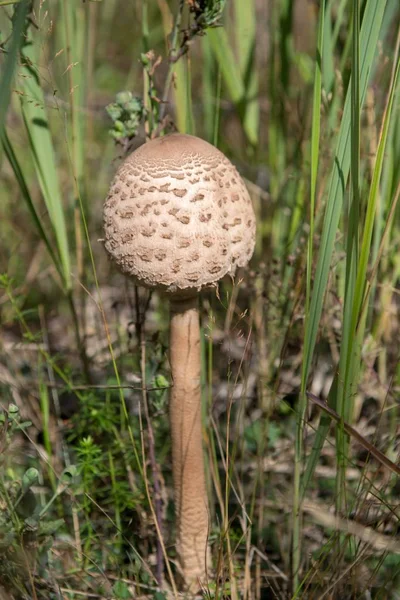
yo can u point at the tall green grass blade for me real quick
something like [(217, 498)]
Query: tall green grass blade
[(223, 53), (369, 35), (43, 154), (245, 34), (360, 326), (208, 89), (372, 20), (340, 14), (319, 440), (361, 285), (45, 415), (277, 149), (9, 2), (181, 96), (145, 26), (328, 65), (232, 76), (190, 122), (217, 109), (19, 176), (347, 364), (9, 66), (74, 20), (315, 137)]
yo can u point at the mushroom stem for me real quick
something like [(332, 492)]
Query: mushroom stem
[(191, 505)]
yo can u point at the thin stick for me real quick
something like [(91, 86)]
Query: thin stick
[(171, 60), (152, 455)]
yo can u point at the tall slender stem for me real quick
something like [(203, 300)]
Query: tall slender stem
[(171, 68), (151, 441), (191, 504)]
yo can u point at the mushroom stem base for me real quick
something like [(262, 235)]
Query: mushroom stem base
[(191, 505)]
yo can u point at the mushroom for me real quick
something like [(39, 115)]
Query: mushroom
[(177, 219)]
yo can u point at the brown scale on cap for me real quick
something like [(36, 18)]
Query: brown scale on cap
[(182, 197)]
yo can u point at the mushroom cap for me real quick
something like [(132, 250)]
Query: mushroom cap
[(178, 216)]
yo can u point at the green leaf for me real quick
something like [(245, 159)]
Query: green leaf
[(121, 591), (68, 475), (13, 411), (26, 505), (50, 527), (30, 478)]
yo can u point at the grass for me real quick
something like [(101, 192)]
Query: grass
[(300, 360)]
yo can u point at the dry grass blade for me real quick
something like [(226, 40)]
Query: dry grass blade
[(379, 541), (380, 457)]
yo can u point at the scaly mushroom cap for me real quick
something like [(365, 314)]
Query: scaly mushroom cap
[(178, 216)]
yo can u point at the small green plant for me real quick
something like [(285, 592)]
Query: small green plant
[(28, 524), (126, 113), (121, 591), (206, 15)]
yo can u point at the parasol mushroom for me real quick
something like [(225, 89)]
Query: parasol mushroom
[(177, 219)]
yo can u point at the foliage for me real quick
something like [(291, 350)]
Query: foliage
[(126, 113), (28, 529)]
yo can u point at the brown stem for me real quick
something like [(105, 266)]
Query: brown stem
[(171, 68), (191, 505)]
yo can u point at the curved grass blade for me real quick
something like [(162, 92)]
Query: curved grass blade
[(19, 176), (369, 35), (43, 154)]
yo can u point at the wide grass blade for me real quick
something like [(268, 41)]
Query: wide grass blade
[(232, 77), (74, 20), (245, 35), (43, 154), (75, 33), (19, 176), (9, 66), (224, 55)]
